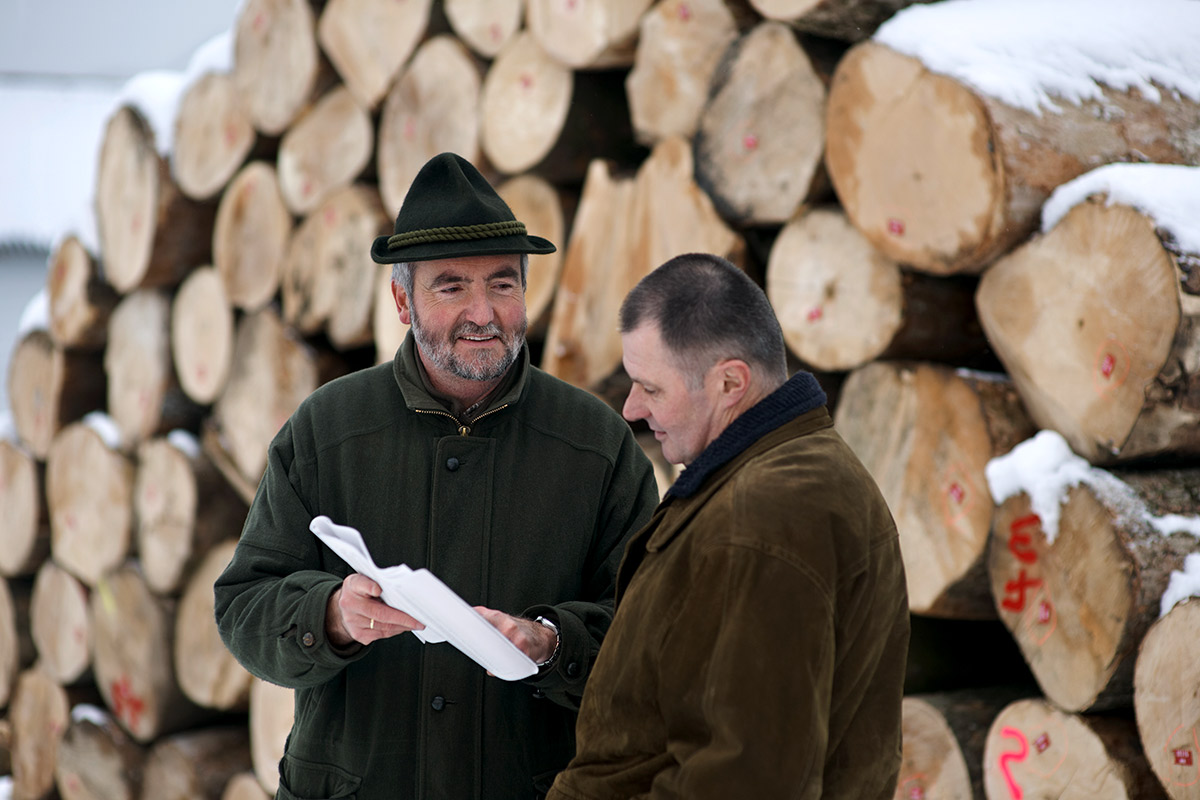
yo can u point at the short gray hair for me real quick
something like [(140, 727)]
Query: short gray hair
[(402, 273), (706, 310)]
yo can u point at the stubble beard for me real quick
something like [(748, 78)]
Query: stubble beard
[(485, 366)]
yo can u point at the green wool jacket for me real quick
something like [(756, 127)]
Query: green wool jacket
[(759, 644), (526, 509)]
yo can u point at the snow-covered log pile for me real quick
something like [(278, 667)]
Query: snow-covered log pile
[(929, 197)]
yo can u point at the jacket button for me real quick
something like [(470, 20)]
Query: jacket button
[(452, 464), (308, 639), (438, 703), (573, 669)]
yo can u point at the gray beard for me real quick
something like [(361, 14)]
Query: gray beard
[(442, 356)]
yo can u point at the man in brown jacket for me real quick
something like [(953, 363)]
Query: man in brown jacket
[(758, 646)]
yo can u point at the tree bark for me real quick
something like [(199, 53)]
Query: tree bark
[(1165, 700), (97, 760), (484, 25), (324, 150), (848, 20), (183, 506), (1079, 601), (433, 107), (89, 489), (369, 41), (328, 282), (927, 432), (272, 372), (250, 237), (1034, 749), (277, 65), (196, 764), (49, 388), (144, 395), (80, 300), (536, 202), (679, 47), (202, 335), (760, 142), (842, 303), (272, 712), (208, 673), (60, 625), (586, 34), (151, 234), (214, 136), (1122, 381), (945, 179), (132, 661), (25, 524)]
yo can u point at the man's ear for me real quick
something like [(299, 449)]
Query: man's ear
[(734, 377), (402, 300)]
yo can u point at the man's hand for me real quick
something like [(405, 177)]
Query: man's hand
[(356, 614), (532, 638)]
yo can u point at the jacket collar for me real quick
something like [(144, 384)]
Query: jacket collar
[(799, 395), (418, 398)]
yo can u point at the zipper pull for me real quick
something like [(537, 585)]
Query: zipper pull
[(464, 430)]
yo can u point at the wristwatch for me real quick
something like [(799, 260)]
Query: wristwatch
[(557, 641)]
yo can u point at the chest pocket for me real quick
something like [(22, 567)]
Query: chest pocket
[(304, 780)]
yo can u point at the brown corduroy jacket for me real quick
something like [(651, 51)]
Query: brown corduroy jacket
[(759, 644)]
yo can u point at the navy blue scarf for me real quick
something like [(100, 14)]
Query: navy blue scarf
[(799, 395)]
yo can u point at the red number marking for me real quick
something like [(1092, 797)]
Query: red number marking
[(126, 704), (1014, 788), (1018, 587), (1020, 543)]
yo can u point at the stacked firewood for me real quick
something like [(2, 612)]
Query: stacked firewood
[(890, 212)]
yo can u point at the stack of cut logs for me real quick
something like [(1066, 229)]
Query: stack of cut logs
[(889, 212)]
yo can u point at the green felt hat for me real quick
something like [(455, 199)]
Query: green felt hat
[(451, 211)]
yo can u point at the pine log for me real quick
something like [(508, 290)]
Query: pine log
[(537, 203), (97, 760), (133, 632), (272, 712), (388, 330), (586, 34), (213, 136), (1122, 380), (17, 650), (623, 229), (80, 300), (278, 68), (842, 303), (251, 235), (848, 20), (183, 506), (946, 179), (272, 372), (369, 41), (324, 150), (39, 715), (328, 282), (25, 524), (680, 43), (151, 234), (202, 335), (943, 737), (208, 673), (244, 786), (60, 625), (926, 433), (144, 395), (89, 489), (1034, 749), (49, 387), (484, 25), (1079, 596), (1166, 702), (196, 765), (761, 137), (433, 107), (539, 115)]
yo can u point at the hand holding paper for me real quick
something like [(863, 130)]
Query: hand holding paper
[(419, 593)]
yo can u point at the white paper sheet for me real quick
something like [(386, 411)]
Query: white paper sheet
[(422, 595)]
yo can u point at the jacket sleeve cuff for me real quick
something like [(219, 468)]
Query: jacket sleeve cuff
[(308, 631), (569, 671)]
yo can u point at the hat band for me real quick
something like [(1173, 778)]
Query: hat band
[(456, 233)]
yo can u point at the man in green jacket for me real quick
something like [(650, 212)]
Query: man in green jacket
[(515, 489), (759, 643)]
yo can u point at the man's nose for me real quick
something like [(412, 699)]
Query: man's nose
[(633, 409), (479, 309)]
